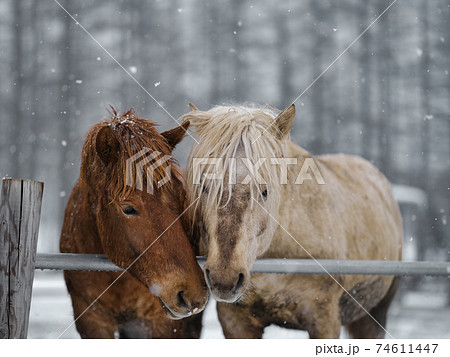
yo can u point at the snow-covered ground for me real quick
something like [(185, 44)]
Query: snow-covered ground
[(420, 314)]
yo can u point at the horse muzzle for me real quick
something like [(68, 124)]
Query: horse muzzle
[(183, 304), (226, 285)]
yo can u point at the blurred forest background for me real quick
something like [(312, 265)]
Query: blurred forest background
[(387, 98)]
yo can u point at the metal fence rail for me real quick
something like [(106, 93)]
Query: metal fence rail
[(63, 261)]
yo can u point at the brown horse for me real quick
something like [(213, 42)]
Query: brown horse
[(264, 196), (106, 214)]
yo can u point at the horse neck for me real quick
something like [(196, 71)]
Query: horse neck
[(280, 246), (87, 235), (293, 150)]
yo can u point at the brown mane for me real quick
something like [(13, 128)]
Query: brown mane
[(133, 134)]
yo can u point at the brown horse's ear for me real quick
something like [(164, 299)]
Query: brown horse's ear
[(174, 136), (107, 145), (284, 121), (192, 107)]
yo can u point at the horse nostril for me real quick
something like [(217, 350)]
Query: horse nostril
[(239, 283), (182, 301)]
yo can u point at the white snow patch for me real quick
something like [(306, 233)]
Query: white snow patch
[(409, 194), (424, 315)]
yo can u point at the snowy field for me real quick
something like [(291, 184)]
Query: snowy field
[(422, 314)]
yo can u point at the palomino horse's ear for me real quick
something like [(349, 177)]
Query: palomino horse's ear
[(174, 136), (107, 145), (192, 107), (284, 121)]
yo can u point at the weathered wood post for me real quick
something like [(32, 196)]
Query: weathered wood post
[(20, 212)]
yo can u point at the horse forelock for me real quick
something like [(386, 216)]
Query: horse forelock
[(222, 132), (134, 135)]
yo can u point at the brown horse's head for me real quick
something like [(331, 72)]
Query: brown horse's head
[(137, 194), (235, 202)]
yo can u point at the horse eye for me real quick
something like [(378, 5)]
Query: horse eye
[(264, 193), (130, 211)]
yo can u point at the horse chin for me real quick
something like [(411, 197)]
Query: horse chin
[(170, 313), (227, 300), (227, 297), (176, 312)]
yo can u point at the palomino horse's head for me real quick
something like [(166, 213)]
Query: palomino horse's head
[(230, 171), (134, 223)]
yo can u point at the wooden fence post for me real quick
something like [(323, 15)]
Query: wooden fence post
[(20, 212)]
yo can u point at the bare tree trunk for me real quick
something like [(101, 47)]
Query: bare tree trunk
[(34, 90), (124, 54), (335, 112), (365, 61), (425, 100), (174, 57), (67, 108), (286, 90), (425, 125), (239, 61), (285, 64), (213, 37), (317, 90), (384, 89), (17, 91), (447, 27)]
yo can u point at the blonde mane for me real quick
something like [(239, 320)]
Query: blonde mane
[(221, 131)]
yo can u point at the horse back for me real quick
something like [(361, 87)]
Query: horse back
[(372, 216)]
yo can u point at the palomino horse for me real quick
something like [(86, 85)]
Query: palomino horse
[(105, 215), (258, 199)]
